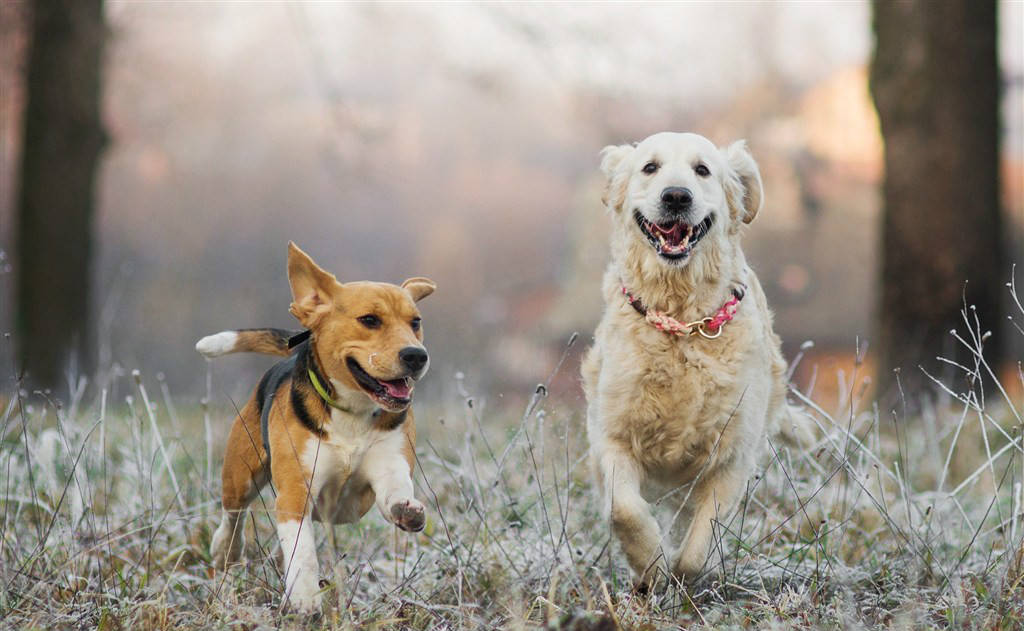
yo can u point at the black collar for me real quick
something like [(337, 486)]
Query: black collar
[(298, 338)]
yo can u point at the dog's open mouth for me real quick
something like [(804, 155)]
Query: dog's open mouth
[(395, 394), (673, 240)]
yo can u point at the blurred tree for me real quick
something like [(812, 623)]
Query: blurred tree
[(63, 136), (935, 82)]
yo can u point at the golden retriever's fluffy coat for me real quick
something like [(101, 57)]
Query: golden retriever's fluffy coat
[(665, 411)]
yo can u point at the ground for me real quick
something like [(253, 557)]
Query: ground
[(892, 522)]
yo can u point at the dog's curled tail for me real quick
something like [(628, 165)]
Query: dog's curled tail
[(266, 341), (796, 427)]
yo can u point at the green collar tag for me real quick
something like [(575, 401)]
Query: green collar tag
[(323, 392)]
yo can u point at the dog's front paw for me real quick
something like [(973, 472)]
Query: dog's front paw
[(409, 515), (304, 600)]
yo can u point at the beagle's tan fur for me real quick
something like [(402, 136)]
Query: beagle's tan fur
[(330, 458)]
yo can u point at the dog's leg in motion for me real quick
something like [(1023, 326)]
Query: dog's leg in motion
[(298, 545), (387, 469), (229, 538), (631, 519), (242, 478), (713, 497)]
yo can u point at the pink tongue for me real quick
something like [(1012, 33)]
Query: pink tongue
[(399, 388)]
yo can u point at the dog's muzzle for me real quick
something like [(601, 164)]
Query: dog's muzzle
[(673, 240)]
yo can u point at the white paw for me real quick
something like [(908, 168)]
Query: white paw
[(304, 601), (303, 595)]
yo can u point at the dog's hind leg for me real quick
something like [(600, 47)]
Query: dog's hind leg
[(229, 538), (243, 475), (630, 515)]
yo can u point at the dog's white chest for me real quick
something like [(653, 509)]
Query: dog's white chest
[(332, 460)]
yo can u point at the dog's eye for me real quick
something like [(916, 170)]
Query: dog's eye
[(370, 321), (650, 167), (415, 324), (702, 170)]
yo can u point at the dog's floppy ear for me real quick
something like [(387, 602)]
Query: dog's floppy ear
[(312, 288), (616, 176), (743, 184), (419, 287)]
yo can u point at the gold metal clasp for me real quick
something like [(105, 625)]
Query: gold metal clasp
[(703, 330)]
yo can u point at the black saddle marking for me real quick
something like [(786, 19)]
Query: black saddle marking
[(296, 368), (268, 388)]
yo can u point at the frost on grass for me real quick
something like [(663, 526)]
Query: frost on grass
[(107, 508)]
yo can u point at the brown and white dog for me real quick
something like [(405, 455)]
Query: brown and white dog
[(685, 381), (331, 425)]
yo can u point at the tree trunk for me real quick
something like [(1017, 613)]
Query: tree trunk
[(935, 81), (63, 136)]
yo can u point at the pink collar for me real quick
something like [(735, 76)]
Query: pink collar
[(709, 327)]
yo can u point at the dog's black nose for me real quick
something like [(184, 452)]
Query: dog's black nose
[(676, 199), (413, 357)]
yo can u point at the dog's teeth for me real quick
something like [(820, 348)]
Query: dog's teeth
[(662, 244)]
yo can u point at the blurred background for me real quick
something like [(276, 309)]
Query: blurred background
[(460, 142)]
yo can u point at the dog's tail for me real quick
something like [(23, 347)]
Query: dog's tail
[(266, 341), (796, 427)]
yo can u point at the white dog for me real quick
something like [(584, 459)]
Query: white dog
[(685, 379)]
